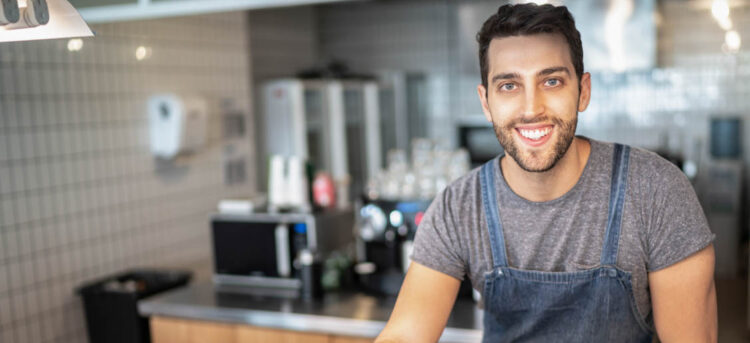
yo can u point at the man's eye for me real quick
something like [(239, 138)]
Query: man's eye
[(508, 87), (552, 82)]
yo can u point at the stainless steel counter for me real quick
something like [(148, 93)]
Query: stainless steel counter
[(348, 314)]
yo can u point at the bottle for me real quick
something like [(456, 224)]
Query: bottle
[(310, 273)]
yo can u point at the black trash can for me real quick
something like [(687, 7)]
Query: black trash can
[(111, 303)]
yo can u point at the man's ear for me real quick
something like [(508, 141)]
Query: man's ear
[(482, 92), (585, 95)]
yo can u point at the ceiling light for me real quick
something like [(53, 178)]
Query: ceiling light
[(733, 41), (720, 9), (142, 53), (75, 44)]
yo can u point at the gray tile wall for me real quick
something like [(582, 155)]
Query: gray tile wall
[(80, 194)]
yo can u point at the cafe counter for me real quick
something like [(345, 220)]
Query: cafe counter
[(203, 312)]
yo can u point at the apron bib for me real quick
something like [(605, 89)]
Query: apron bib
[(594, 305)]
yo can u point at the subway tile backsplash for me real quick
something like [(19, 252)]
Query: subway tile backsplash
[(80, 194)]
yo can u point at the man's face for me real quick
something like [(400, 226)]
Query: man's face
[(532, 98)]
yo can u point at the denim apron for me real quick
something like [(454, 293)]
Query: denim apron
[(594, 305)]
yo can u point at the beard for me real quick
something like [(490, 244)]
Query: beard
[(537, 161)]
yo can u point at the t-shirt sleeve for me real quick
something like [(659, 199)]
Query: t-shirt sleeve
[(678, 227), (436, 242)]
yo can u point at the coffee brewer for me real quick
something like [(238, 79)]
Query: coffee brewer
[(385, 236)]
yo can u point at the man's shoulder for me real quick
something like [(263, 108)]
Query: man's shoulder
[(648, 172), (643, 163), (652, 167)]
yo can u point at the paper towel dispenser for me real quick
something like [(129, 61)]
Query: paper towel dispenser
[(177, 124)]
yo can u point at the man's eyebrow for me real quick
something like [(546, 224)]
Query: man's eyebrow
[(552, 70), (505, 76)]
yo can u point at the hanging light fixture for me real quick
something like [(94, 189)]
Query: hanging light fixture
[(24, 20)]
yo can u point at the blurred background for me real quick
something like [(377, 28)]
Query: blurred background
[(87, 188)]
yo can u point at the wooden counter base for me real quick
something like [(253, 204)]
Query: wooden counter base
[(173, 330)]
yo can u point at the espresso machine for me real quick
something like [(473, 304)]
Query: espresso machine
[(385, 237)]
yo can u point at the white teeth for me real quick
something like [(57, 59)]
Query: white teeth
[(535, 134)]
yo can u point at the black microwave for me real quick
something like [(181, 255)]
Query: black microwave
[(260, 249)]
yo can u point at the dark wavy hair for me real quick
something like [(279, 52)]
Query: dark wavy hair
[(529, 19)]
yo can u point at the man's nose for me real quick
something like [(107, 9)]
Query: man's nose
[(534, 103)]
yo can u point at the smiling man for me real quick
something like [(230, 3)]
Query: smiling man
[(568, 239)]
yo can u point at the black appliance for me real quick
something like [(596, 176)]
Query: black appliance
[(271, 250), (386, 230)]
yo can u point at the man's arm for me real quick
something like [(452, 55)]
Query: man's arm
[(683, 297), (422, 308)]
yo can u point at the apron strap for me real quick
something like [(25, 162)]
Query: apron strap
[(491, 214), (619, 186)]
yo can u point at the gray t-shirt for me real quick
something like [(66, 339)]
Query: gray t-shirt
[(662, 223)]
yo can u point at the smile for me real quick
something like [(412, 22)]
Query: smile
[(535, 134)]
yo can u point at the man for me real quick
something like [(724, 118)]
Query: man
[(568, 239)]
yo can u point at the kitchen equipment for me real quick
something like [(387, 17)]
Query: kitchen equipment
[(385, 234), (311, 270), (333, 123), (363, 137), (404, 108), (305, 118), (267, 250)]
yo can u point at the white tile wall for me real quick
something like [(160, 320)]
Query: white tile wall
[(80, 194)]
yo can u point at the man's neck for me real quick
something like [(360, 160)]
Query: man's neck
[(553, 183)]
